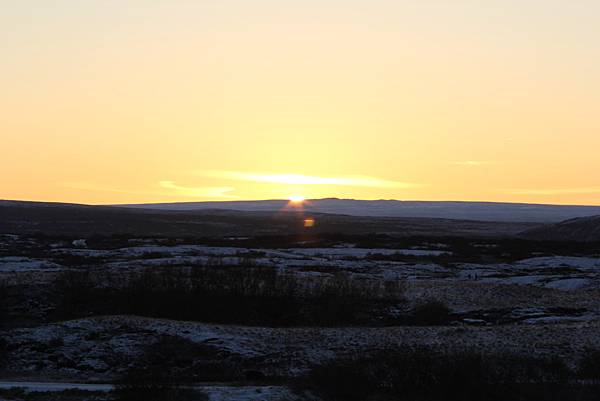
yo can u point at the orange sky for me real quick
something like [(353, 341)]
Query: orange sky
[(148, 101)]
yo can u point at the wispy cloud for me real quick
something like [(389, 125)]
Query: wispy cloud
[(172, 190), (555, 191), (102, 188), (198, 192), (301, 179), (474, 163)]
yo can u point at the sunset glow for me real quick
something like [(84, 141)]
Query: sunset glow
[(165, 101)]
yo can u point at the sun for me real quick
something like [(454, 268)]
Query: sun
[(296, 199)]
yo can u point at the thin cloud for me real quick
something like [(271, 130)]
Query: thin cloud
[(198, 192), (171, 186), (301, 179), (474, 163), (555, 191), (99, 188)]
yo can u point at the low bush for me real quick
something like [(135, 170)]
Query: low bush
[(153, 385), (248, 295), (3, 304), (423, 375), (15, 393), (76, 289), (3, 352), (160, 373), (589, 366), (430, 313), (191, 362)]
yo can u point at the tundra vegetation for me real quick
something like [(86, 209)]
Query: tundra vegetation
[(324, 317)]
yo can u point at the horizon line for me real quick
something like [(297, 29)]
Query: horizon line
[(306, 200)]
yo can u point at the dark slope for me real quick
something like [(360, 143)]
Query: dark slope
[(586, 229)]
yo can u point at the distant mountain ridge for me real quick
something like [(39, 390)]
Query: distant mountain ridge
[(85, 220), (482, 211)]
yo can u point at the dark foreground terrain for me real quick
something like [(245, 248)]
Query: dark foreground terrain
[(110, 304)]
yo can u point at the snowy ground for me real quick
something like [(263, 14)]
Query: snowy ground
[(428, 271), (565, 273), (100, 349), (540, 305)]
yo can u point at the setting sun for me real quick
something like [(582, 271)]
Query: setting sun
[(296, 198)]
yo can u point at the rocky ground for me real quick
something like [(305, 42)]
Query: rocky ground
[(100, 349), (531, 303)]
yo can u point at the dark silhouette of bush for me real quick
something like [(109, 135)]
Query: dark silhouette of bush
[(423, 375), (76, 289), (154, 385), (3, 352), (22, 394), (430, 313), (589, 366), (249, 295), (3, 304), (191, 362), (15, 393), (162, 371)]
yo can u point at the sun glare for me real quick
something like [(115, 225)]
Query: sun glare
[(296, 199)]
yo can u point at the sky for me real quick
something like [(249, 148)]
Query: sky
[(129, 101)]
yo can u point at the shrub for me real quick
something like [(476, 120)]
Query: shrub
[(589, 366), (3, 352), (248, 295), (423, 375), (15, 393), (154, 385), (157, 375), (189, 361), (76, 290), (3, 311), (430, 313)]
